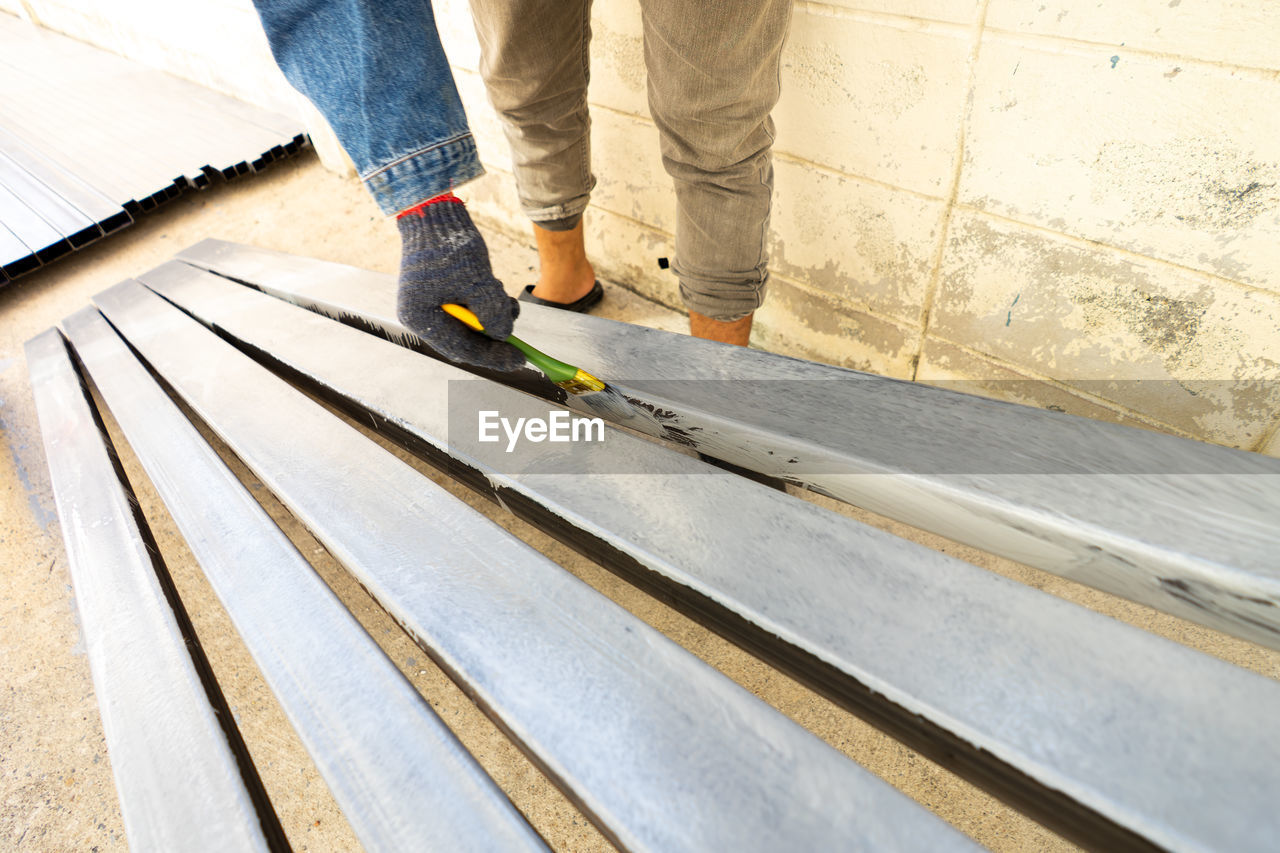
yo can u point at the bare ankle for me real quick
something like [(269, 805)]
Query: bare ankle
[(564, 273), (737, 332)]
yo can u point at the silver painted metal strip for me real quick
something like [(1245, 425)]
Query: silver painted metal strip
[(108, 137), (662, 751), (44, 241), (77, 193), (16, 257), (402, 779), (950, 647), (179, 782), (148, 120), (1198, 545), (44, 202)]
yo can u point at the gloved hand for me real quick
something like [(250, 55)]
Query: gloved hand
[(444, 259)]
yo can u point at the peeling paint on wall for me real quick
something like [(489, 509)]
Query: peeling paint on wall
[(1205, 183), (1182, 348)]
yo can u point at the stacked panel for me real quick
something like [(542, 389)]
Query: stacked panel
[(88, 140)]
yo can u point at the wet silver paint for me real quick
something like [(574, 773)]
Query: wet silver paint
[(1058, 692), (401, 778), (663, 751), (1201, 546), (176, 777)]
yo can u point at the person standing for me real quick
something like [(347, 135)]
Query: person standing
[(714, 74), (378, 73)]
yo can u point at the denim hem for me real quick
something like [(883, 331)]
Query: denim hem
[(725, 301), (551, 213), (567, 224), (424, 174)]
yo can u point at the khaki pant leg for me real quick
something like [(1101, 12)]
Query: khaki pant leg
[(714, 76), (535, 62)]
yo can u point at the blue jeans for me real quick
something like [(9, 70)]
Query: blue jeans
[(377, 72)]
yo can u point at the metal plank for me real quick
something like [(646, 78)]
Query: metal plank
[(43, 240), (659, 749), (47, 204), (16, 257), (84, 137), (909, 638), (1182, 526), (78, 193), (78, 155), (182, 774), (400, 776), (126, 128), (123, 118)]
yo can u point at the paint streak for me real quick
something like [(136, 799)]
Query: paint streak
[(1201, 600)]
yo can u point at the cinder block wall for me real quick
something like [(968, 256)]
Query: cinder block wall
[(1065, 203)]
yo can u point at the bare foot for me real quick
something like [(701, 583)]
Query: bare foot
[(736, 332), (564, 273)]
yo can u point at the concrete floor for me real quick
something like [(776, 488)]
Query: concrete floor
[(56, 791)]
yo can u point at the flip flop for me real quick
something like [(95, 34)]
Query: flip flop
[(594, 295)]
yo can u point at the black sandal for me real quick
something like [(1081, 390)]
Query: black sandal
[(594, 295)]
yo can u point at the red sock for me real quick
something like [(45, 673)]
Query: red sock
[(417, 209)]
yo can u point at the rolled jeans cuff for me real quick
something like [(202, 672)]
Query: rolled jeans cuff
[(722, 300), (559, 214), (424, 174), (567, 224)]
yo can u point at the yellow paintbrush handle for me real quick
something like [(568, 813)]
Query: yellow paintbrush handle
[(574, 379), (463, 314)]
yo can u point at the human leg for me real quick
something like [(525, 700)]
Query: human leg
[(737, 332), (377, 71), (535, 63), (712, 84), (564, 273)]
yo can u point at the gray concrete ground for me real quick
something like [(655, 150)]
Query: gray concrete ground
[(56, 791)]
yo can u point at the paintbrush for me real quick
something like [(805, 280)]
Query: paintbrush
[(593, 392)]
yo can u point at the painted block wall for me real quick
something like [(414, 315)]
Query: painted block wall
[(1064, 203)]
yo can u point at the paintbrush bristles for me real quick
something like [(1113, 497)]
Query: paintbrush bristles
[(609, 404)]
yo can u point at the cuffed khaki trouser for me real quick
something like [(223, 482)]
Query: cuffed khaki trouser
[(713, 79)]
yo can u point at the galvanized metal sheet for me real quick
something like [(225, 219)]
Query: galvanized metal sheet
[(42, 239), (80, 195), (662, 751), (178, 776), (84, 126), (954, 660), (402, 779), (16, 257), (45, 203), (1181, 526)]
